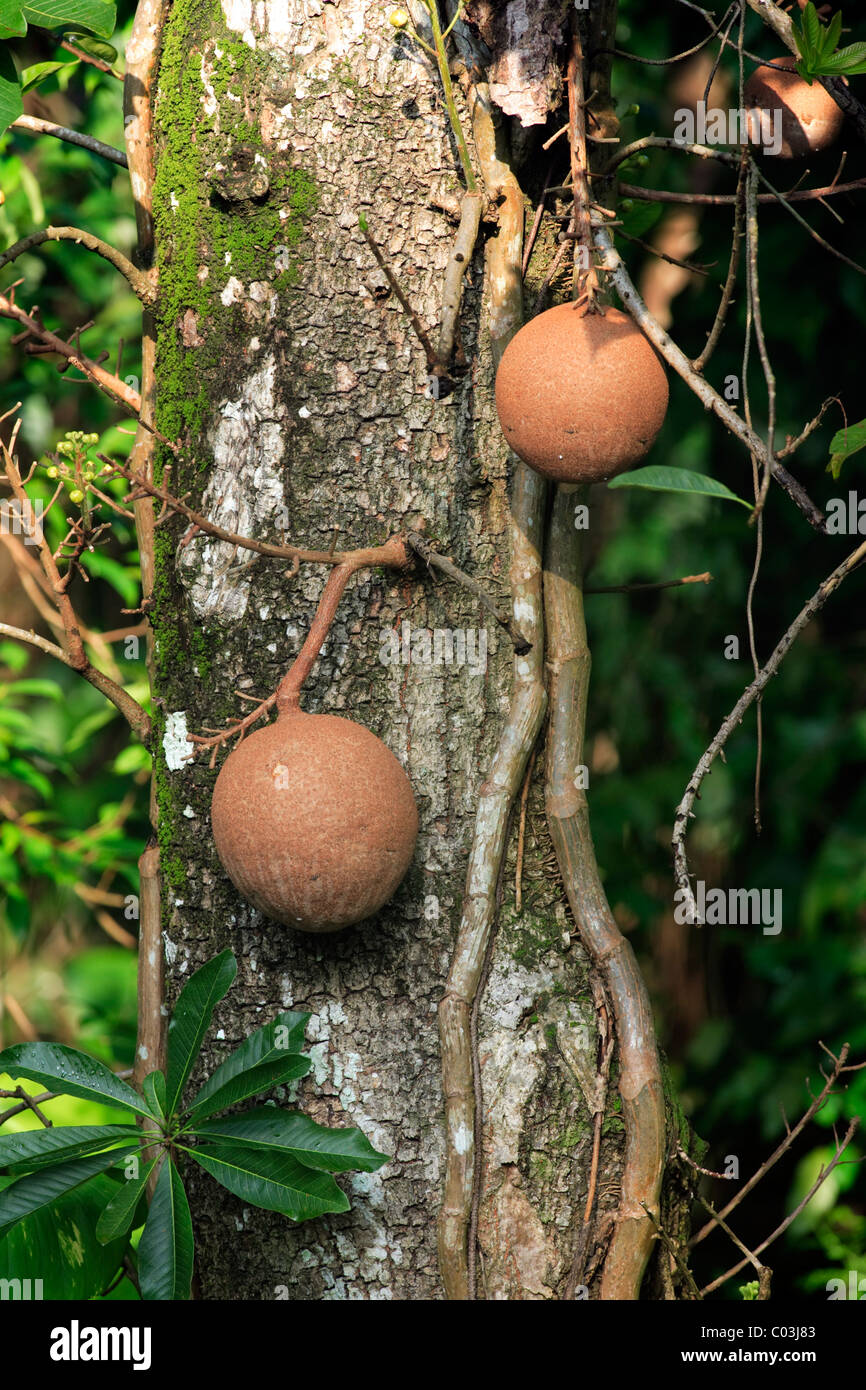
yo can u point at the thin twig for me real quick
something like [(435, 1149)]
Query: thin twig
[(613, 264), (705, 578), (684, 811), (840, 1068), (803, 195), (35, 125), (111, 385), (792, 1216), (142, 284), (715, 332), (521, 834), (434, 366), (505, 619)]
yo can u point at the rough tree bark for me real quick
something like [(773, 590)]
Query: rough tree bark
[(301, 394)]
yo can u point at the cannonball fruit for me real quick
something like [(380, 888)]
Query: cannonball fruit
[(811, 120), (314, 821), (581, 396)]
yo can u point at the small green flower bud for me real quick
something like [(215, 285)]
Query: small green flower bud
[(76, 495), (52, 471), (398, 18)]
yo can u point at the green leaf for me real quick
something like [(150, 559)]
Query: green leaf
[(116, 1218), (661, 478), (832, 34), (91, 16), (58, 1247), (24, 772), (32, 686), (37, 1190), (316, 1146), (640, 219), (33, 1149), (95, 48), (165, 1251), (811, 29), (850, 61), (11, 105), (274, 1042), (153, 1086), (274, 1181), (64, 1069), (252, 1083), (191, 1019), (12, 22), (40, 72), (846, 442)]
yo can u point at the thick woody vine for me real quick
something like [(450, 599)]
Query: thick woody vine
[(545, 622)]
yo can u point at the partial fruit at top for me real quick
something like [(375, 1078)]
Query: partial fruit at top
[(811, 120), (581, 396)]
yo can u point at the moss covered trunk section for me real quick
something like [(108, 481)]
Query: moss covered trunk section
[(300, 395)]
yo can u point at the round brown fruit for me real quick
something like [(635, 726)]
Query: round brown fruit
[(314, 821), (811, 120), (581, 396)]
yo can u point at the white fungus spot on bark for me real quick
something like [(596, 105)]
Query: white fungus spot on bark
[(244, 494), (233, 292), (174, 741)]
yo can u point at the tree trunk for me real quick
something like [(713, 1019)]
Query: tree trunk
[(301, 395)]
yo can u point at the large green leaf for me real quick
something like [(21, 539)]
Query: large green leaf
[(191, 1019), (277, 1039), (11, 105), (58, 1245), (117, 1217), (38, 1190), (166, 1249), (252, 1083), (12, 21), (41, 1148), (90, 16), (661, 478), (64, 1069), (316, 1146), (275, 1181)]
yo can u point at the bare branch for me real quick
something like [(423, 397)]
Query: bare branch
[(111, 385), (684, 810), (35, 125), (142, 284), (613, 264)]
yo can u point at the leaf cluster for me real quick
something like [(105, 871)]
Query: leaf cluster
[(273, 1158)]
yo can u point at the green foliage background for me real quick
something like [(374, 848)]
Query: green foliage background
[(740, 1014)]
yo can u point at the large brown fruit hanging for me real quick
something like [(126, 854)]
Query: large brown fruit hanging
[(811, 120), (581, 396), (314, 821)]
